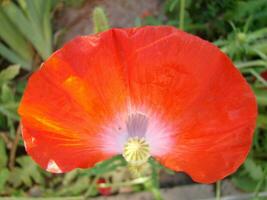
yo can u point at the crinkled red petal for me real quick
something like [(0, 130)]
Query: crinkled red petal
[(188, 81)]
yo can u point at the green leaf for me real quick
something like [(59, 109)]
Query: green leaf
[(153, 184), (261, 96), (13, 57), (34, 12), (70, 176), (255, 171), (4, 175), (46, 21), (76, 188), (26, 173), (10, 34), (9, 110), (3, 155), (29, 25), (7, 94), (262, 121), (173, 4), (261, 33), (245, 183), (9, 73), (107, 166)]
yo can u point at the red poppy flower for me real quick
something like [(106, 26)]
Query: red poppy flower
[(140, 92), (104, 191)]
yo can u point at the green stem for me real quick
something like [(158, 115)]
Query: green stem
[(12, 156), (218, 190), (156, 193), (260, 183), (258, 77), (89, 191), (182, 13), (155, 180), (251, 64)]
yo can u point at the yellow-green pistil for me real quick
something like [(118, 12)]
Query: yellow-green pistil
[(136, 151)]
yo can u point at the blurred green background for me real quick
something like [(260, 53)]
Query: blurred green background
[(30, 30)]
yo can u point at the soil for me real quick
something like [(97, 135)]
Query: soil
[(187, 192), (121, 13)]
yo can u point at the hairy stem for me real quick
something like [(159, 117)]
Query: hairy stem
[(218, 190), (12, 156), (182, 13)]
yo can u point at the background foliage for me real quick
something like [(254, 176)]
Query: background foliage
[(238, 27)]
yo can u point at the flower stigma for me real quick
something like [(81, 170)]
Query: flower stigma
[(136, 150)]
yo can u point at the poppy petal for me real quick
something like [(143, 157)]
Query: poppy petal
[(69, 101), (201, 112), (191, 84)]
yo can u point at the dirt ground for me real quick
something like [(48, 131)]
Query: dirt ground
[(121, 13), (186, 192)]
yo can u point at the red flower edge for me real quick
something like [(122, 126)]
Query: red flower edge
[(195, 109)]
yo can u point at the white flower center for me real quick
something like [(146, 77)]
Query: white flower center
[(137, 136)]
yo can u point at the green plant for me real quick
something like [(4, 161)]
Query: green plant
[(250, 56), (242, 44), (245, 9), (100, 20), (175, 14), (24, 39), (8, 103), (32, 33)]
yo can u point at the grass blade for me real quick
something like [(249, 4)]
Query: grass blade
[(14, 58), (261, 96), (12, 37), (47, 28), (28, 27)]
